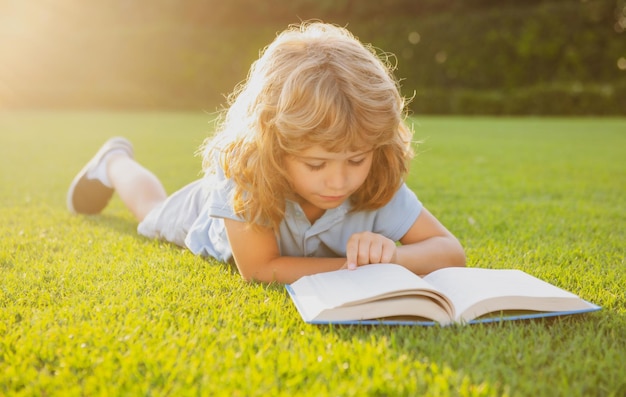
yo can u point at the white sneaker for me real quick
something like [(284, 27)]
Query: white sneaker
[(90, 196)]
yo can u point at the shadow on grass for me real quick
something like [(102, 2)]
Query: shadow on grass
[(579, 319), (127, 226), (116, 223)]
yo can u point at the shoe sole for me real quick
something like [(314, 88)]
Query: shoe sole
[(90, 196)]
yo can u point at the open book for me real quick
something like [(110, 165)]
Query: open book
[(388, 293)]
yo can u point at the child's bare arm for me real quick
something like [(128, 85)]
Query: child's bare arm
[(426, 247), (429, 246), (258, 258)]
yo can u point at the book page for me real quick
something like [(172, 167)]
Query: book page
[(344, 287), (498, 290), (408, 308)]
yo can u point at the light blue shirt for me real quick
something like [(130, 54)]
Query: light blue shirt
[(326, 237)]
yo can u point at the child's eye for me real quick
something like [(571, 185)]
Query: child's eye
[(315, 167), (357, 162)]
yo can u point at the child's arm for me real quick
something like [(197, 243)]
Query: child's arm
[(258, 258), (426, 247)]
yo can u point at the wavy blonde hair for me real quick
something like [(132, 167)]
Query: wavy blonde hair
[(315, 84)]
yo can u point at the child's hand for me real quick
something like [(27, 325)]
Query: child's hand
[(367, 247)]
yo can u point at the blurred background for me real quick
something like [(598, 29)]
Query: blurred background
[(495, 57)]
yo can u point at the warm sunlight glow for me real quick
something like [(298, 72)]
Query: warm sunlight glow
[(49, 52), (115, 54), (25, 34)]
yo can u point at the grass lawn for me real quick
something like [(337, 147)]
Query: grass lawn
[(88, 308)]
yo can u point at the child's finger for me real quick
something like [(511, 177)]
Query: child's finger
[(389, 253), (357, 250), (352, 249), (363, 249), (375, 252)]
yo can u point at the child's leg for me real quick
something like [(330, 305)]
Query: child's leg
[(138, 188), (114, 169)]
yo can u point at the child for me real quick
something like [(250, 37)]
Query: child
[(304, 175)]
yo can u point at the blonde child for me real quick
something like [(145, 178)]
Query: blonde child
[(305, 173)]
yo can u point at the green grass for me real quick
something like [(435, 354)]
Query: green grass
[(89, 308)]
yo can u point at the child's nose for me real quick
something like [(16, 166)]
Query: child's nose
[(337, 178)]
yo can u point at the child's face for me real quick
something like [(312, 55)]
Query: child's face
[(324, 179)]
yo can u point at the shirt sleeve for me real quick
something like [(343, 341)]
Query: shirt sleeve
[(396, 218), (219, 204)]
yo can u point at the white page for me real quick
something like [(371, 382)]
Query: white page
[(467, 286), (339, 287)]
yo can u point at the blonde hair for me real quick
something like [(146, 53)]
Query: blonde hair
[(315, 84)]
